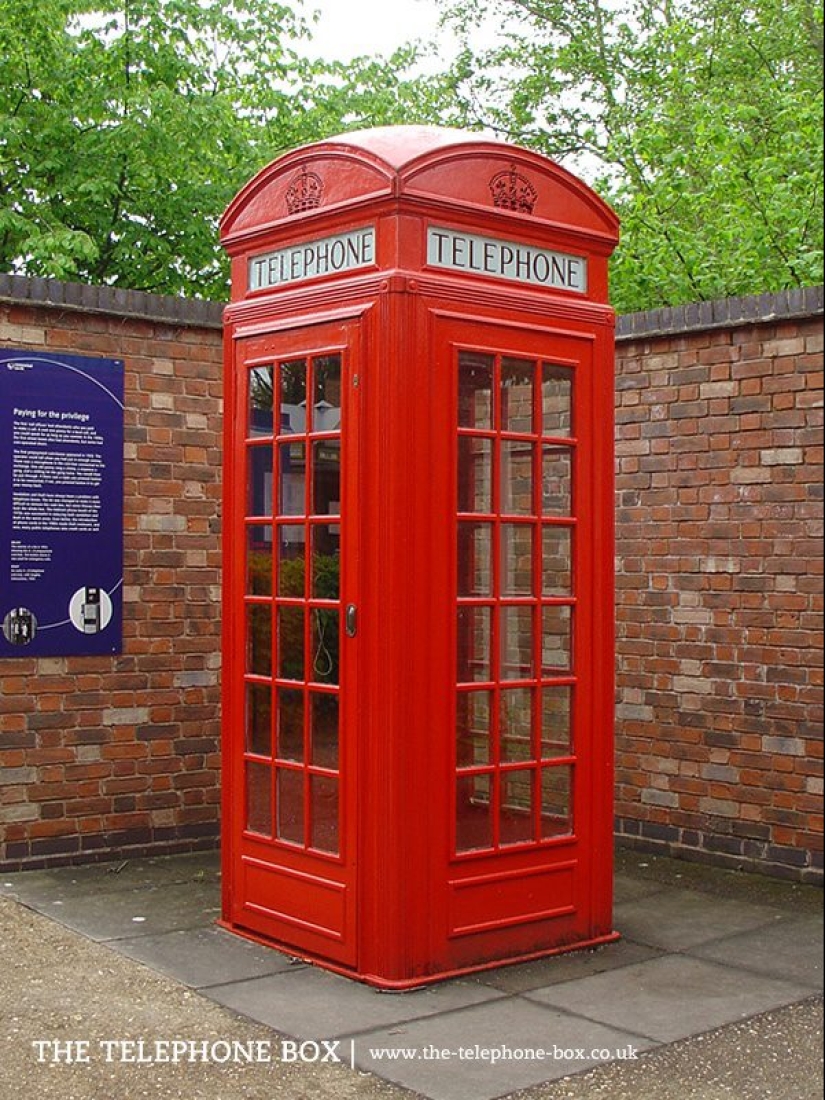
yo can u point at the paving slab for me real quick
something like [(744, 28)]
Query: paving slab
[(202, 957), (564, 968), (312, 1003), (672, 997), (451, 1056), (789, 949), (111, 877), (126, 913), (677, 920)]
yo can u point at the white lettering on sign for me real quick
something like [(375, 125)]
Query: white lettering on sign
[(328, 256), (521, 263)]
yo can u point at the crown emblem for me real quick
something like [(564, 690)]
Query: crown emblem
[(305, 192), (511, 191)]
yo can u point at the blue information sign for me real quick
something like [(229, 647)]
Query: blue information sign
[(61, 505)]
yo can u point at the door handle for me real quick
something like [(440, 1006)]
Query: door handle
[(351, 620)]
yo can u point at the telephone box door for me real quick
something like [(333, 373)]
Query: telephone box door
[(292, 645), (532, 683)]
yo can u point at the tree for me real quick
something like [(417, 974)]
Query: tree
[(700, 121), (126, 127)]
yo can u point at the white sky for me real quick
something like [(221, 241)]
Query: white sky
[(348, 28)]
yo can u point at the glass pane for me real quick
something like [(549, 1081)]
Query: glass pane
[(556, 400), (556, 484), (259, 798), (555, 722), (474, 641), (291, 542), (326, 477), (555, 640), (324, 730), (473, 728), (556, 817), (475, 477), (326, 410), (291, 479), (326, 562), (293, 391), (259, 639), (517, 395), (475, 566), (474, 822), (556, 561), (259, 560), (516, 724), (516, 643), (517, 478), (516, 559), (516, 818), (324, 807), (259, 719), (290, 643), (259, 481), (290, 731), (290, 805), (324, 646), (260, 401), (475, 390)]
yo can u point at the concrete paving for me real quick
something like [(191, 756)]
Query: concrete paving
[(135, 955)]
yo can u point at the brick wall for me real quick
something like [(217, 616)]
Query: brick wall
[(719, 561), (719, 747), (109, 756)]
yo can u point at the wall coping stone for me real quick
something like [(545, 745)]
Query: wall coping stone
[(668, 321)]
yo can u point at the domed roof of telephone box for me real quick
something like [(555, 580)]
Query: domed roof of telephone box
[(432, 165)]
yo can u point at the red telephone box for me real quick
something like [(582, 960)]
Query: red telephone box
[(418, 615)]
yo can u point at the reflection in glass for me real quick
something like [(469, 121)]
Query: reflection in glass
[(290, 805), (475, 390), (259, 639), (556, 560), (259, 719), (516, 821), (474, 641), (475, 474), (557, 476), (324, 813), (290, 729), (517, 478), (557, 400), (291, 538), (516, 559), (326, 564), (293, 391), (555, 640), (290, 662), (475, 566), (556, 817), (473, 728), (516, 724), (259, 480), (516, 643), (291, 479), (259, 560), (517, 395), (260, 401), (258, 798), (326, 477), (324, 646), (324, 730), (326, 408), (555, 721), (474, 822)]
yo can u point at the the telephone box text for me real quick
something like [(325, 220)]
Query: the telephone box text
[(520, 263)]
